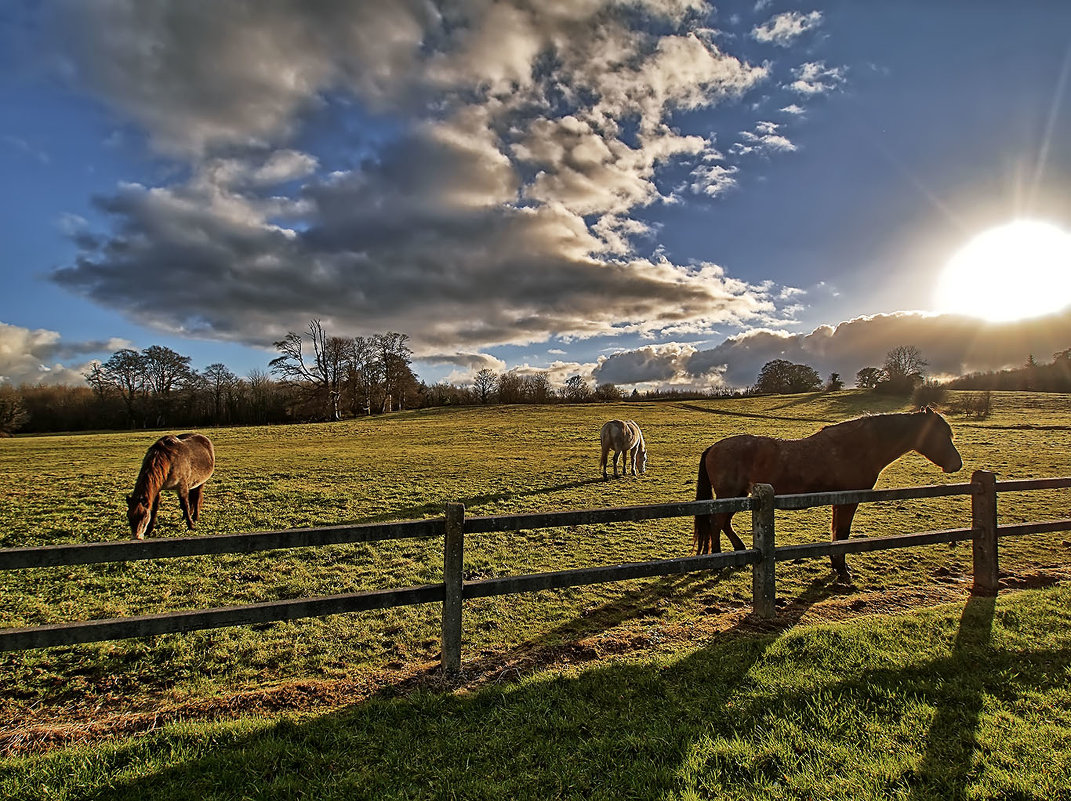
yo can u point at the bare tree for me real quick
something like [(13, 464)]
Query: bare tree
[(13, 414), (124, 373), (221, 385), (576, 389), (362, 375), (608, 392), (394, 357), (166, 372), (322, 374), (484, 384), (538, 389), (902, 371)]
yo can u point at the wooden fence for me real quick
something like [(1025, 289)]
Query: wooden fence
[(763, 557)]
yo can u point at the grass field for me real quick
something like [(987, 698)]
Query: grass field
[(644, 688)]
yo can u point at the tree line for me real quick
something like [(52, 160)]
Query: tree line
[(317, 376)]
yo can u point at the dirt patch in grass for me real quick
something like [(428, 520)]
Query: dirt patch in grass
[(89, 720)]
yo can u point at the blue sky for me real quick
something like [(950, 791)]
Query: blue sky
[(648, 193)]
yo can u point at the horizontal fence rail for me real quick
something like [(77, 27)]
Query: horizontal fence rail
[(454, 590), (132, 550), (199, 619)]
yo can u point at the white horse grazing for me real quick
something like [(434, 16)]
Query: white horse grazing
[(625, 438)]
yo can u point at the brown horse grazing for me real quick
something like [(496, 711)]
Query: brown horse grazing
[(181, 464), (845, 456)]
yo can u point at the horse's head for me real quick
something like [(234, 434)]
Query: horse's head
[(138, 514), (641, 460), (934, 441)]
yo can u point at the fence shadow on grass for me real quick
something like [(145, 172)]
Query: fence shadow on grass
[(951, 739), (699, 723), (616, 730), (571, 642)]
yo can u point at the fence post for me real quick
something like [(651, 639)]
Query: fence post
[(763, 586), (984, 523), (453, 565)]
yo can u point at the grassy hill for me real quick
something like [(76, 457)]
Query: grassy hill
[(639, 689)]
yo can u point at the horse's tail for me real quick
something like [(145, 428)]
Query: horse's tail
[(702, 536)]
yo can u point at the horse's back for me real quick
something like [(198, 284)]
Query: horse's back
[(191, 457), (195, 442), (612, 433), (808, 464), (735, 463), (620, 435)]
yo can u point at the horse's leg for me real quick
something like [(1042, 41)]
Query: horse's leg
[(616, 454), (184, 502), (842, 529), (152, 515), (738, 543), (703, 534), (196, 496), (632, 460), (602, 459)]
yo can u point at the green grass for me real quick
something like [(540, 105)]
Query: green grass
[(964, 701), (495, 460)]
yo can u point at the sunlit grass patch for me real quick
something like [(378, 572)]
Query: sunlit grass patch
[(494, 460)]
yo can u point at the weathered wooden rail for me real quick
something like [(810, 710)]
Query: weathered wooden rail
[(454, 590)]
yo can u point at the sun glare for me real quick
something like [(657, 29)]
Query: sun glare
[(1012, 272)]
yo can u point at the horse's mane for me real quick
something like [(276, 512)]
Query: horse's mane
[(156, 465), (847, 426), (883, 419)]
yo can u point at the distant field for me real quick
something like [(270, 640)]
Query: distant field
[(493, 459)]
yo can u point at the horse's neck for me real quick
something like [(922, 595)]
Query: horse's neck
[(884, 437), (152, 476)]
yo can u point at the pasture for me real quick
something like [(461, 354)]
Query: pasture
[(91, 705)]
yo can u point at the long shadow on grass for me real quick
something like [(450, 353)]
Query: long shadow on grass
[(579, 641), (951, 740), (615, 731)]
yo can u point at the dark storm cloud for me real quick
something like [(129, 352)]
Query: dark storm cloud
[(652, 364)]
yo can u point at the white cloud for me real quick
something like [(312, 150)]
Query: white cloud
[(764, 140), (784, 29), (815, 78), (33, 356), (284, 165), (713, 179)]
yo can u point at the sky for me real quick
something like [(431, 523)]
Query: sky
[(654, 194)]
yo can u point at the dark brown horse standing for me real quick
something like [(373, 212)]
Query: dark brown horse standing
[(181, 464), (845, 456)]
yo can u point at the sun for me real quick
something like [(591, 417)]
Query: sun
[(1012, 272)]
